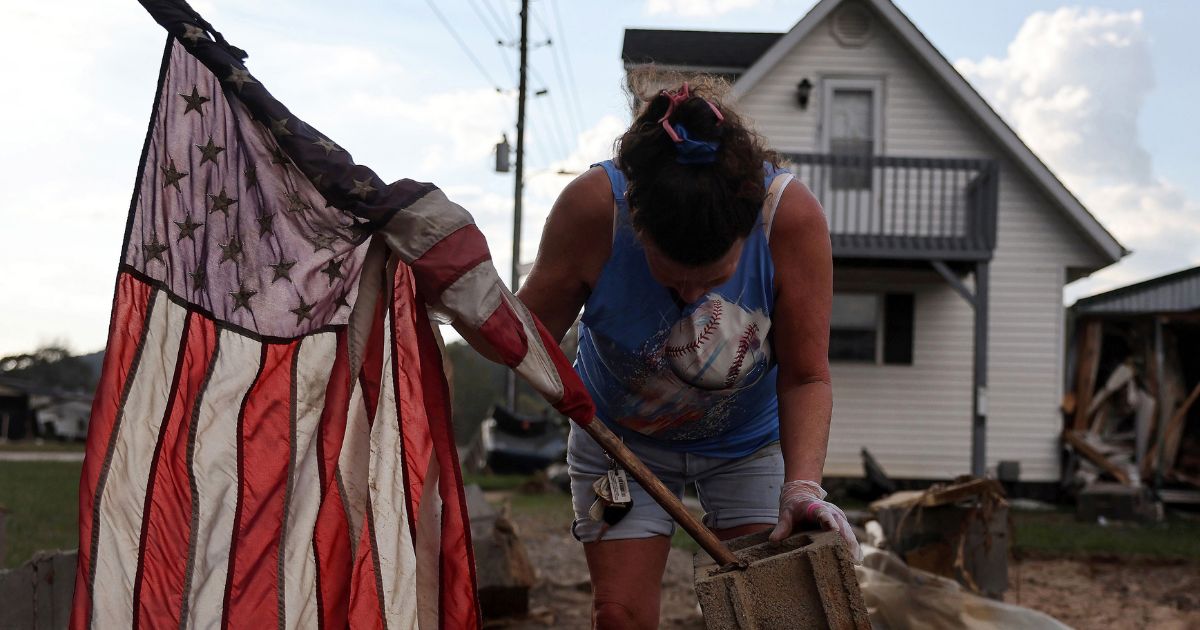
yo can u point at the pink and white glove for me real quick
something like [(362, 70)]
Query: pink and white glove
[(802, 501)]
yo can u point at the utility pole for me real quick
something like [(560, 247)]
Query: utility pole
[(518, 188)]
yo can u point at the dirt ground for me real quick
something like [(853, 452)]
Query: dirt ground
[(1109, 592), (1088, 593)]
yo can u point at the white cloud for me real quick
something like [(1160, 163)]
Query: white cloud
[(1072, 84), (698, 8)]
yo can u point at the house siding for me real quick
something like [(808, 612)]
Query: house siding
[(916, 419)]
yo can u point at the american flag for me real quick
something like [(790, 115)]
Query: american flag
[(270, 443)]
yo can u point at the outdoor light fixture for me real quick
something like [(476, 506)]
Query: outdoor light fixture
[(803, 89)]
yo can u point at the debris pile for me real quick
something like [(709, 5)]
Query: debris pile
[(1132, 414), (958, 530)]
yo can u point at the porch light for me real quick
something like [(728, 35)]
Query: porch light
[(803, 90)]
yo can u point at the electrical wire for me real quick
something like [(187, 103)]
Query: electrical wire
[(463, 45), (561, 131), (497, 36), (566, 52)]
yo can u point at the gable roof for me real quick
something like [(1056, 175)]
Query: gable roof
[(1177, 292), (717, 51), (958, 86)]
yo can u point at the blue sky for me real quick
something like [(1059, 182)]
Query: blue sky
[(387, 81)]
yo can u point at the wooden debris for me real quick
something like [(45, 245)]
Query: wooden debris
[(1081, 446), (1086, 367)]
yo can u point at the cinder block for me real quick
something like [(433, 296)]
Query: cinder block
[(1116, 501), (806, 581)]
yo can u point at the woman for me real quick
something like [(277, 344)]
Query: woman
[(705, 279)]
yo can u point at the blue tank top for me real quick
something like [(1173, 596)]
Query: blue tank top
[(698, 378)]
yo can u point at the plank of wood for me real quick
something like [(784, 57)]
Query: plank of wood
[(1119, 377), (1174, 429), (1081, 446), (1086, 367)]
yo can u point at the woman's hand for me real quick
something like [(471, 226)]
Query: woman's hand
[(803, 502)]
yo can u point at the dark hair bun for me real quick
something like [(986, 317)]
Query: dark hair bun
[(693, 212)]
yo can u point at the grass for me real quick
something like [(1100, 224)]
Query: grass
[(42, 499), (1058, 533), (40, 446)]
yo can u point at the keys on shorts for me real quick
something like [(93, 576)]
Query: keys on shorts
[(613, 499)]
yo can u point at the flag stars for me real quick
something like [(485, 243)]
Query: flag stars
[(296, 203), (194, 101), (209, 151), (153, 250), (266, 224), (279, 127), (251, 176), (199, 279), (341, 301), (362, 188), (328, 145), (221, 203), (239, 77), (187, 228), (193, 34), (302, 312), (322, 241), (333, 269), (231, 250), (278, 157), (241, 298), (171, 176), (283, 270)]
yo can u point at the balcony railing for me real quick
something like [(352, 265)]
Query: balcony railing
[(881, 206)]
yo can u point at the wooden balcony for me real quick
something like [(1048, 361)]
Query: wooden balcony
[(904, 208)]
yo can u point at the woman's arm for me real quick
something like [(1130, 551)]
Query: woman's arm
[(576, 242), (803, 261)]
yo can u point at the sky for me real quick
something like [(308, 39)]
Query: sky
[(1103, 91)]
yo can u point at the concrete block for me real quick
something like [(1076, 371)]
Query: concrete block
[(804, 582), (1118, 502), (503, 571), (37, 596)]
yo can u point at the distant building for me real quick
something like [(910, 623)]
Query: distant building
[(29, 410), (934, 205)]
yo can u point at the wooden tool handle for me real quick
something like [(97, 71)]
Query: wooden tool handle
[(667, 499)]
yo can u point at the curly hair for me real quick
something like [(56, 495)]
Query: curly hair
[(693, 213)]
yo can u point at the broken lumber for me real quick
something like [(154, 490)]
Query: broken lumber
[(1081, 446), (1085, 374)]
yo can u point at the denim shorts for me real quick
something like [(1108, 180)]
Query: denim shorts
[(733, 492)]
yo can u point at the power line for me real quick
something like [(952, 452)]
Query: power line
[(463, 45), (559, 129), (506, 22), (496, 35), (492, 29), (566, 52)]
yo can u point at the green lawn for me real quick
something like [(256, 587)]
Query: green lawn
[(33, 446), (42, 500), (1059, 533)]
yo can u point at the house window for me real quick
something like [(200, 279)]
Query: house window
[(854, 327), (852, 137), (872, 328)]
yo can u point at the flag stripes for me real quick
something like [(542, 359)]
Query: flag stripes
[(169, 495), (215, 469), (128, 470), (127, 330)]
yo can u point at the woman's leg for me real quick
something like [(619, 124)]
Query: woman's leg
[(627, 581)]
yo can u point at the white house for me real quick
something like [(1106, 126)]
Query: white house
[(934, 205)]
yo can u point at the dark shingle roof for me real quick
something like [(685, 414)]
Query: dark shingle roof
[(1173, 293), (700, 49)]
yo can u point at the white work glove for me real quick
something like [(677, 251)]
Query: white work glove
[(802, 501)]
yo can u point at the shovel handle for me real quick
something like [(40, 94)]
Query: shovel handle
[(655, 488)]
